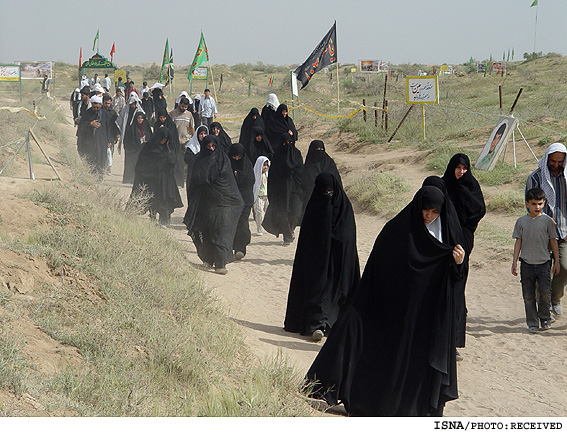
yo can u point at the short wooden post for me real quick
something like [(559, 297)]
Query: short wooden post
[(384, 98), (364, 109), (376, 114), (500, 96), (402, 121), (386, 115)]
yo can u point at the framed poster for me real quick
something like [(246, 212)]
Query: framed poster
[(36, 70), (200, 73), (496, 143), (10, 73), (422, 90)]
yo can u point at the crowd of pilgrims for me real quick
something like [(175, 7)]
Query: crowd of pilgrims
[(392, 332)]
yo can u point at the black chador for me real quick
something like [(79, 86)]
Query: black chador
[(258, 145), (325, 269), (252, 120), (244, 174), (174, 144), (154, 175), (392, 351), (214, 205), (93, 140), (317, 161), (223, 139), (466, 195), (279, 123), (136, 134), (284, 190)]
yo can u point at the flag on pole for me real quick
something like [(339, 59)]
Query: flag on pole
[(512, 53), (81, 57), (201, 56), (112, 51), (171, 64), (534, 4), (249, 86), (323, 55), (95, 39), (508, 58), (271, 81), (164, 62)]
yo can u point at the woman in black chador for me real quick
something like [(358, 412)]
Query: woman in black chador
[(163, 120), (392, 351), (136, 134), (252, 120), (325, 269), (466, 195), (154, 175), (258, 145), (244, 174), (223, 139), (284, 190), (214, 206), (278, 124), (317, 161)]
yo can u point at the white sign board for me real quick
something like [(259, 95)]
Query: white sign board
[(36, 70), (294, 89), (9, 73), (422, 90), (200, 73)]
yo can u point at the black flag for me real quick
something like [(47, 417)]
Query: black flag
[(324, 55)]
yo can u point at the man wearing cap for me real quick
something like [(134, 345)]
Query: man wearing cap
[(550, 176), (207, 109)]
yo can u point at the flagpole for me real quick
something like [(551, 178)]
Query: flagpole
[(213, 80), (338, 93)]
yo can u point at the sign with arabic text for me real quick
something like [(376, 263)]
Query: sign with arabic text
[(422, 90), (200, 73), (10, 72), (98, 62)]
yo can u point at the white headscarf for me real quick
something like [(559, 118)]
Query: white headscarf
[(157, 86), (98, 88), (96, 100), (122, 119), (258, 174), (183, 94), (197, 97), (434, 228), (546, 183), (194, 144), (272, 101)]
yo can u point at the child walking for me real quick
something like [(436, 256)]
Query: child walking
[(261, 168), (535, 233)]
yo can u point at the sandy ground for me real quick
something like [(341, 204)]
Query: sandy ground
[(505, 371)]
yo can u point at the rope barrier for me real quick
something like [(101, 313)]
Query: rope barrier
[(18, 109), (13, 142)]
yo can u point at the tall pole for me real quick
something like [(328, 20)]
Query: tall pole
[(338, 92), (213, 81)]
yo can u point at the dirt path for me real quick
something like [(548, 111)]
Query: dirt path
[(505, 372)]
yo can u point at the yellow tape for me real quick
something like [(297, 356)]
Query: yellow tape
[(337, 116), (18, 109)]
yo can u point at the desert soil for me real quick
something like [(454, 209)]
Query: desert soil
[(505, 371)]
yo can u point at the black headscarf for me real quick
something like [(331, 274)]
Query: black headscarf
[(223, 139), (284, 187), (154, 172), (243, 171), (250, 123), (159, 100), (316, 161), (170, 125), (277, 124), (255, 148), (467, 197), (392, 352), (132, 138), (326, 268)]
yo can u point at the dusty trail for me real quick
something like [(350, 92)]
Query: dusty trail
[(505, 372)]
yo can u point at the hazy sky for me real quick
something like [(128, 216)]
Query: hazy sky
[(280, 32)]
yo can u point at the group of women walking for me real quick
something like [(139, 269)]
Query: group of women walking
[(392, 332)]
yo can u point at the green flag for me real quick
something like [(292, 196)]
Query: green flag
[(249, 86), (508, 58), (512, 53), (534, 4), (201, 56), (165, 61), (95, 39)]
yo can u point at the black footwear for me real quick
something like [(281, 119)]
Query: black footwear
[(545, 325)]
